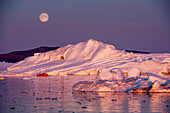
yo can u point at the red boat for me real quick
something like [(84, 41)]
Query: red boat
[(42, 75)]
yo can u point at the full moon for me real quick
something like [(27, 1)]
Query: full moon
[(44, 17)]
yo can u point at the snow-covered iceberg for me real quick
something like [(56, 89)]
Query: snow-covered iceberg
[(88, 58)]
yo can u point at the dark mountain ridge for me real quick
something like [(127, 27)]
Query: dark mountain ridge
[(16, 56)]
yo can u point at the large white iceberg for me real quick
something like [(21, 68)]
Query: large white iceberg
[(88, 58)]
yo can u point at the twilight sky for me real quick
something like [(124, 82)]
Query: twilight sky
[(126, 24)]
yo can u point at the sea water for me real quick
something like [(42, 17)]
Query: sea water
[(54, 94)]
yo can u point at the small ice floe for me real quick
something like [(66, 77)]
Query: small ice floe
[(63, 73), (133, 85), (1, 78), (113, 80), (26, 78)]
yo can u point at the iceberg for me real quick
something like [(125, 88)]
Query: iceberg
[(90, 57), (115, 70), (135, 83)]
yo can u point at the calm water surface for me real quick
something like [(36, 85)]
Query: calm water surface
[(54, 94)]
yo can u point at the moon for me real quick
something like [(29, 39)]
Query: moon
[(43, 17)]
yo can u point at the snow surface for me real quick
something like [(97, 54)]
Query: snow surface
[(91, 57), (3, 66)]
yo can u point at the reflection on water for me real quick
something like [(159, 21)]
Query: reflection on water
[(161, 100), (54, 94)]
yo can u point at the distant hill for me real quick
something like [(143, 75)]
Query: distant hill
[(16, 56), (136, 51)]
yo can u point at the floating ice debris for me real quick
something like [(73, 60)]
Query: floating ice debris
[(1, 78), (134, 83), (26, 78), (114, 86)]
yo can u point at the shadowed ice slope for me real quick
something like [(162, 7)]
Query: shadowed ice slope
[(87, 58)]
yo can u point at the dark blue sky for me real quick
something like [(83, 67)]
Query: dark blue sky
[(126, 24)]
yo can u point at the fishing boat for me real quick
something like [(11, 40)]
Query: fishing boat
[(42, 75)]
